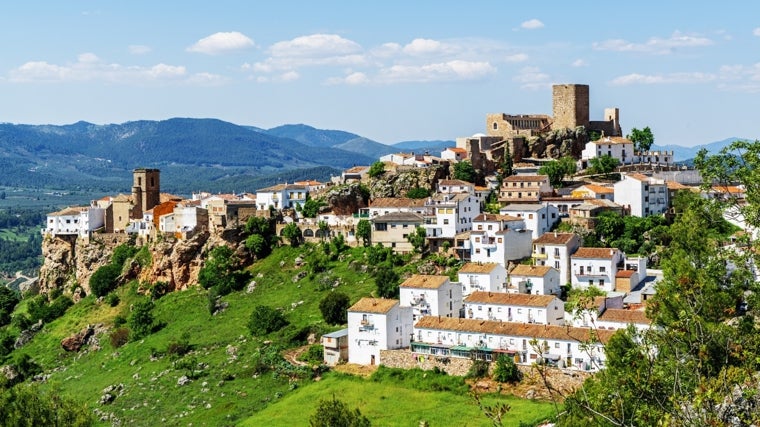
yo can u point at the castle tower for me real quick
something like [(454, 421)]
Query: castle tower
[(571, 106), (146, 190)]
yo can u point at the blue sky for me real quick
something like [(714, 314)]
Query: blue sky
[(390, 71)]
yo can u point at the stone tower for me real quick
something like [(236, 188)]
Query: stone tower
[(571, 106), (146, 190)]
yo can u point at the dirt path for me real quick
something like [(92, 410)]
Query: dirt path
[(291, 355)]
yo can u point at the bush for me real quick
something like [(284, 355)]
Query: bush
[(112, 299), (119, 337), (505, 370), (158, 290), (140, 321), (333, 412), (333, 307), (119, 320), (122, 253), (265, 320), (28, 405), (104, 280), (179, 347), (479, 369), (315, 355)]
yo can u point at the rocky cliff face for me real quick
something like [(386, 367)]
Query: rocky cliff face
[(69, 262), (399, 183)]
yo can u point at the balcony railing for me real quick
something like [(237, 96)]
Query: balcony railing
[(540, 256)]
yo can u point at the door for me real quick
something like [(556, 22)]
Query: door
[(372, 360)]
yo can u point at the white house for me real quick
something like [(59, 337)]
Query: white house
[(455, 186), (644, 195), (616, 147), (594, 191), (455, 154), (387, 205), (75, 221), (554, 250), (449, 215), (499, 238), (596, 267), (335, 346), (490, 277), (564, 346), (282, 196), (522, 308), (431, 295), (538, 217), (376, 324), (534, 279)]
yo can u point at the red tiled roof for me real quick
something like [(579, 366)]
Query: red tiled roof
[(373, 305), (625, 316), (425, 281), (604, 253), (530, 270), (552, 238), (501, 298), (478, 268)]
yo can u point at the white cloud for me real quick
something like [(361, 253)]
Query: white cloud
[(386, 50), (137, 49), (315, 46), (579, 63), (352, 79), (670, 78), (654, 45), (519, 57), (532, 24), (455, 70), (90, 68), (532, 78), (222, 42), (289, 76), (756, 31), (418, 47)]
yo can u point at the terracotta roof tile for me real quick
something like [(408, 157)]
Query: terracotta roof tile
[(487, 217), (599, 189), (625, 316), (554, 238), (396, 202), (478, 268), (425, 281), (526, 178), (613, 140), (531, 330), (604, 253), (623, 274), (530, 270), (501, 298), (374, 305)]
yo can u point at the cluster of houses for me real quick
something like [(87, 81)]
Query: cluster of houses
[(507, 296)]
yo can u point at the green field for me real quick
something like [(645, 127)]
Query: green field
[(393, 405)]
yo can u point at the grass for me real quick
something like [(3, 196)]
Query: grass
[(227, 387), (392, 404)]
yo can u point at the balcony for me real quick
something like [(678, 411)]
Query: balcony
[(540, 256)]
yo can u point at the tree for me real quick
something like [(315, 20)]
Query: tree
[(333, 307), (418, 193), (387, 281), (8, 301), (364, 231), (265, 320), (28, 405), (505, 370), (311, 207), (642, 139), (257, 245), (603, 165), (141, 320), (335, 413), (507, 163), (221, 271), (323, 229), (105, 279), (557, 170), (376, 169), (293, 234), (465, 171), (418, 239)]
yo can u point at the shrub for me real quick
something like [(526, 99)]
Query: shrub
[(265, 320), (104, 280), (158, 290), (119, 337), (28, 405), (119, 320), (122, 253), (333, 307), (333, 412), (179, 347), (143, 257), (112, 299), (478, 369), (505, 370), (140, 321), (315, 355)]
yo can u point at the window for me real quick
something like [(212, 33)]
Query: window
[(477, 250), (602, 269), (480, 226), (556, 265), (406, 226), (480, 308), (519, 311), (490, 227), (477, 240), (446, 221), (498, 240), (556, 345), (495, 125), (393, 225)]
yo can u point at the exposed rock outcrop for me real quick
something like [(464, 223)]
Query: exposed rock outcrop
[(347, 199), (397, 184)]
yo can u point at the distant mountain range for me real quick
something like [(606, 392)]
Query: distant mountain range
[(196, 154), (681, 154)]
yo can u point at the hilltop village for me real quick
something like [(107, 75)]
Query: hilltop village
[(508, 296)]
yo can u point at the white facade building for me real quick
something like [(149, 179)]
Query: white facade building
[(534, 279), (642, 194), (448, 215), (521, 308), (490, 277), (431, 295), (539, 217), (554, 250), (596, 267), (499, 238), (376, 324), (616, 147), (75, 221), (281, 196), (569, 347)]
